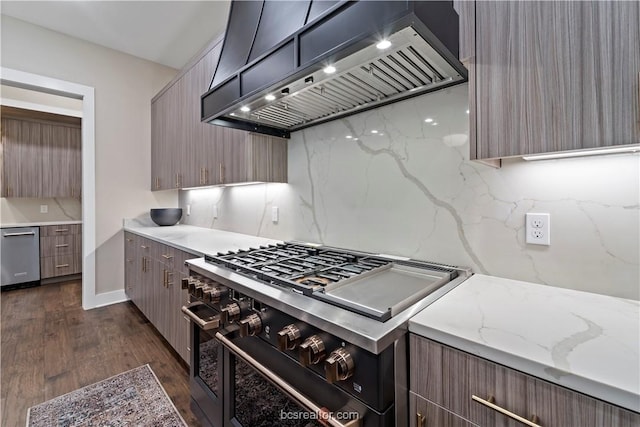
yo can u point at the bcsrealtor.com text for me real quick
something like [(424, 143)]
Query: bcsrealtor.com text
[(304, 415)]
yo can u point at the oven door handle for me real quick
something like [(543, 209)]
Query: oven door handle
[(285, 386), (204, 324)]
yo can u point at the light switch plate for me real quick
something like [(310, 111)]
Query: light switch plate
[(44, 208), (274, 214)]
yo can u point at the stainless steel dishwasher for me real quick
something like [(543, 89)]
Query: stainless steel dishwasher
[(20, 255)]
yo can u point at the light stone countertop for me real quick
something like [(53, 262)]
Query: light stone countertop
[(39, 224), (583, 341), (195, 240)]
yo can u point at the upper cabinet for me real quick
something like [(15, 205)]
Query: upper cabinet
[(187, 153), (41, 154), (551, 76)]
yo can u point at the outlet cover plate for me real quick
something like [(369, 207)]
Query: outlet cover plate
[(538, 228)]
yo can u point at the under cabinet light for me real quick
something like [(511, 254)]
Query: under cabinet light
[(330, 69), (245, 109), (270, 97), (584, 153)]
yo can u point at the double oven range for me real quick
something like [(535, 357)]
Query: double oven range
[(302, 335)]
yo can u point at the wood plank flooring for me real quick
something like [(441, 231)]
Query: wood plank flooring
[(51, 346)]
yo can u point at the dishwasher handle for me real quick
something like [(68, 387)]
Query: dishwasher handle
[(26, 233)]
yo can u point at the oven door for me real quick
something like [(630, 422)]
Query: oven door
[(266, 388), (206, 363)]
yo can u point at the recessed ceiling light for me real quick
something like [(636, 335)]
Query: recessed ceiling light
[(270, 97), (429, 120), (467, 111), (349, 137), (434, 124), (232, 114), (330, 69), (245, 109), (374, 131), (383, 44)]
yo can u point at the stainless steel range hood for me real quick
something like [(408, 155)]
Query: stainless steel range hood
[(272, 74)]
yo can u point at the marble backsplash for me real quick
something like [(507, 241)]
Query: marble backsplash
[(27, 210), (409, 189)]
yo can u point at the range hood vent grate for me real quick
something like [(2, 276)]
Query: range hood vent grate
[(366, 77), (391, 75)]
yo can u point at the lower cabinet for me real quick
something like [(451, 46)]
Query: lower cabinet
[(60, 250), (452, 388), (153, 273)]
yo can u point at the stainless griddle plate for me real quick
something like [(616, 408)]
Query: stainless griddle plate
[(391, 288)]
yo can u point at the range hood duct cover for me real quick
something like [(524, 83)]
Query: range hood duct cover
[(280, 48)]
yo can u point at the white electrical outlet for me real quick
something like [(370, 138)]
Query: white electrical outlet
[(274, 214), (44, 208), (538, 228), (188, 210), (215, 211)]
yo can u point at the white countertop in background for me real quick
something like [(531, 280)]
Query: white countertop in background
[(38, 224), (196, 240), (583, 341)]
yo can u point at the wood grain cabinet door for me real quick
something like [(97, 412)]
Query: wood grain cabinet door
[(491, 395), (21, 158), (555, 76)]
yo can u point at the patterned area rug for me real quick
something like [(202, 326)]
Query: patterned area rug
[(133, 398)]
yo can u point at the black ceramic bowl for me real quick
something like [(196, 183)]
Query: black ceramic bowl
[(166, 216)]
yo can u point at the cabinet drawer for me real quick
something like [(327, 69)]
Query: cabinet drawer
[(469, 386), (57, 245), (60, 230), (54, 266), (423, 413)]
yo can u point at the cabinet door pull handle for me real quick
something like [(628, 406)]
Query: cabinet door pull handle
[(144, 247), (490, 404), (129, 239), (65, 245), (164, 278), (62, 265), (167, 256), (169, 278), (420, 420), (61, 230)]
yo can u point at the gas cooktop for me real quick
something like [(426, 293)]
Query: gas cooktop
[(372, 285)]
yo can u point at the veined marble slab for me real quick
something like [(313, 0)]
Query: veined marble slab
[(39, 224), (583, 341), (196, 240)]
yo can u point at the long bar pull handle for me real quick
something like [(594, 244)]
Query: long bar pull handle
[(26, 233), (61, 230), (285, 386), (420, 419), (490, 404), (62, 265), (209, 323), (65, 245)]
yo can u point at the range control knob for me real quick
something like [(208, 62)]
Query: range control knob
[(230, 313), (194, 285), (312, 351), (338, 366), (289, 337), (214, 294), (250, 325)]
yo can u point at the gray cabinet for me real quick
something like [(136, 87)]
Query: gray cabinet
[(153, 274), (187, 153), (60, 250), (462, 387), (41, 154), (551, 76)]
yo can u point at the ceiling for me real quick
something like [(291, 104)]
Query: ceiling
[(166, 32)]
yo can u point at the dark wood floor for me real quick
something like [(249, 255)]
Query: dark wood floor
[(51, 346)]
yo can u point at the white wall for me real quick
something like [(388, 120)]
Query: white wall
[(124, 86), (410, 190)]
